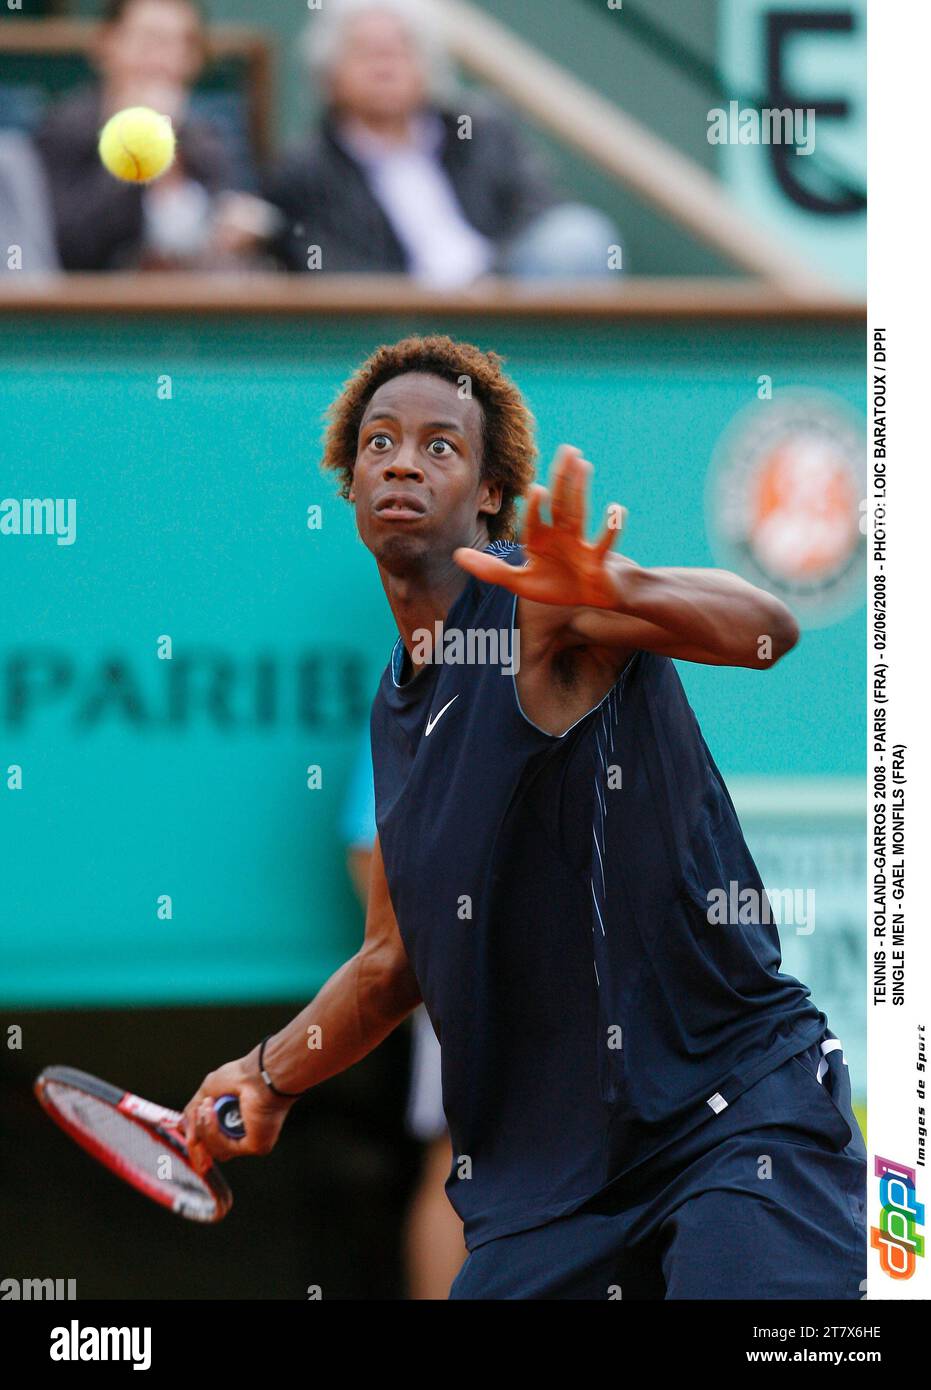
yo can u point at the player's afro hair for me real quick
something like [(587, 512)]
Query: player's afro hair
[(508, 448)]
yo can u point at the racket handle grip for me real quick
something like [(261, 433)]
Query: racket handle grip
[(229, 1116)]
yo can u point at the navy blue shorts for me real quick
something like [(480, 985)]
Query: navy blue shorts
[(766, 1200)]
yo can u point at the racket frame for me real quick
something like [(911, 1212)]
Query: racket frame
[(154, 1120)]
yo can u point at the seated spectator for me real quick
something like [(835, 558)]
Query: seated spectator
[(395, 180), (147, 53)]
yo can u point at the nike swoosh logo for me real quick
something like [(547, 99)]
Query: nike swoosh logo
[(432, 723)]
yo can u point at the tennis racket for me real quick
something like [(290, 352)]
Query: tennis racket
[(140, 1142)]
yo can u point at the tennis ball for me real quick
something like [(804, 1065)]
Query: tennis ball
[(137, 145)]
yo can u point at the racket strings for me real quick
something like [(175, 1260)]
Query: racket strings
[(140, 1154)]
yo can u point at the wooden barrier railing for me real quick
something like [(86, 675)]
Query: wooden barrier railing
[(313, 295)]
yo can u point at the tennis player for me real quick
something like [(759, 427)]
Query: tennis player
[(641, 1104)]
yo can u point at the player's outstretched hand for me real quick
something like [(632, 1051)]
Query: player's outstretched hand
[(562, 567), (263, 1114)]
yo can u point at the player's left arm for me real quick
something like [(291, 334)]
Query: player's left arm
[(704, 615), (578, 593)]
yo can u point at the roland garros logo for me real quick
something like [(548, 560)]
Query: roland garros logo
[(783, 502)]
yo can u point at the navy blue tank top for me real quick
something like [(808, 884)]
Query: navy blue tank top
[(552, 896)]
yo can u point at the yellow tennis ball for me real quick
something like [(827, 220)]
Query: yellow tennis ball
[(137, 145)]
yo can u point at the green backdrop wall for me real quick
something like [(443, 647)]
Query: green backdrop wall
[(144, 777)]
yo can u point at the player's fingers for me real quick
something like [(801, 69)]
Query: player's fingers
[(560, 482), (616, 520), (212, 1142), (198, 1155), (208, 1128), (199, 1140), (582, 473), (196, 1148), (532, 523), (189, 1114), (569, 492)]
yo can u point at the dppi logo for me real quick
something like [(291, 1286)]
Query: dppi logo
[(896, 1237)]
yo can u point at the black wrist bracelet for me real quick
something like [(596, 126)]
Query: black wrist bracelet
[(288, 1095)]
